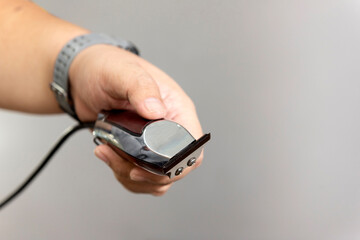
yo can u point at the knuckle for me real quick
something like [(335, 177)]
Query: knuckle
[(133, 190), (121, 176), (158, 194), (138, 75), (160, 191), (164, 182)]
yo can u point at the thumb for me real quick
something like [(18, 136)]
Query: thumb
[(142, 92)]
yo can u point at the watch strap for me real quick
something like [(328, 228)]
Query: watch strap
[(60, 84)]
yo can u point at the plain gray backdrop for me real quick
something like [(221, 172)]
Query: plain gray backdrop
[(277, 85)]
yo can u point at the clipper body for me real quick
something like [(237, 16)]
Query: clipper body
[(160, 146)]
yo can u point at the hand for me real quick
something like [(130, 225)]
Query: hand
[(105, 77)]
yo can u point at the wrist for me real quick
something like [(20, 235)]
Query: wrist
[(61, 83), (31, 39), (58, 39)]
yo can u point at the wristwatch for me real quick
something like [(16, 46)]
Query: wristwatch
[(60, 84)]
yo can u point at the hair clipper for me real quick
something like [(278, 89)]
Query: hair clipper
[(160, 146)]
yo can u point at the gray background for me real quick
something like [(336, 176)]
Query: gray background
[(275, 82)]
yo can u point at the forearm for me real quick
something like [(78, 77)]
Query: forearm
[(30, 40)]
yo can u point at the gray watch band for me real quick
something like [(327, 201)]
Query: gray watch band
[(60, 84)]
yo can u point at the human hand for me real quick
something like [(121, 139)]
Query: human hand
[(105, 77)]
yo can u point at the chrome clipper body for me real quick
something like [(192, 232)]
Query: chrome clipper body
[(160, 146)]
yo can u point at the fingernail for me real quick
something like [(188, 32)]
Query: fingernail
[(136, 176), (101, 155), (153, 105)]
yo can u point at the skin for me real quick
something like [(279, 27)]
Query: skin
[(102, 77)]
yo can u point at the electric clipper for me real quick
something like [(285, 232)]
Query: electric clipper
[(160, 146)]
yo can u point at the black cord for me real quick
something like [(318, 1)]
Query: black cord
[(67, 133)]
